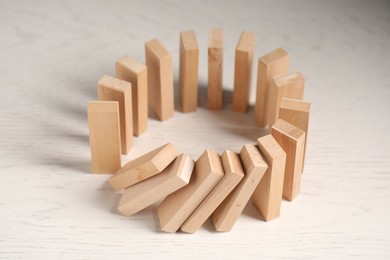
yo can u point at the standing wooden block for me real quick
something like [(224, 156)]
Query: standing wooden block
[(272, 64), (178, 206), (143, 194), (233, 174), (292, 140), (104, 136), (297, 113), (243, 71), (160, 80), (112, 89), (289, 86), (254, 168), (215, 62), (267, 197), (136, 73), (143, 167), (189, 60)]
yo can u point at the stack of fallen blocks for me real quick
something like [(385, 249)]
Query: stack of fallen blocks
[(216, 186)]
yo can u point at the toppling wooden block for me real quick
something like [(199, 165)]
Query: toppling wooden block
[(113, 89), (215, 64), (143, 167), (267, 197), (233, 174), (143, 194), (297, 113), (231, 208), (243, 71), (104, 136), (178, 206), (288, 86), (274, 63), (160, 80), (189, 61), (135, 72), (292, 140)]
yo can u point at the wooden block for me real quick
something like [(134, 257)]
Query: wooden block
[(215, 64), (233, 174), (143, 167), (272, 64), (289, 86), (112, 89), (297, 113), (189, 60), (292, 140), (136, 73), (254, 168), (104, 136), (160, 80), (267, 197), (243, 71), (178, 206), (143, 194)]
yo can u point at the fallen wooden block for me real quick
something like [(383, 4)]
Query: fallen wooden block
[(297, 113), (136, 73), (267, 197), (233, 174), (254, 168), (160, 80), (189, 60), (243, 71), (178, 206), (143, 194), (143, 167), (104, 136), (292, 140), (272, 64), (215, 64)]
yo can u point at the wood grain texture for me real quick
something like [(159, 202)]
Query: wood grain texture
[(215, 69)]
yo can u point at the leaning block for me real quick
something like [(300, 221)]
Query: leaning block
[(272, 64), (233, 174), (113, 89), (189, 60), (130, 70), (104, 136), (215, 62), (143, 167), (254, 168), (267, 197), (143, 194), (160, 80), (243, 71), (292, 140), (178, 206)]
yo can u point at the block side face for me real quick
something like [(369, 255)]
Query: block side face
[(154, 84), (242, 80), (188, 79), (167, 91)]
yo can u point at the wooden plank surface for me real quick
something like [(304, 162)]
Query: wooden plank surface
[(215, 69)]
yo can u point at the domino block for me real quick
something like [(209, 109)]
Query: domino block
[(104, 136), (143, 167), (112, 89), (288, 86), (231, 208), (144, 194), (233, 174), (272, 64), (267, 197), (130, 70), (297, 113), (189, 60), (215, 64), (243, 71), (160, 80), (292, 140), (178, 206)]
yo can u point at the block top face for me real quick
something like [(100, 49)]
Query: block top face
[(295, 104), (210, 161), (114, 83), (246, 42), (233, 164), (272, 146), (188, 40), (131, 64), (283, 80), (288, 129), (216, 38), (274, 56), (250, 156), (103, 106), (157, 48)]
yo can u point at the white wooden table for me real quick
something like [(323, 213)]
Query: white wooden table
[(52, 54)]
